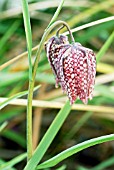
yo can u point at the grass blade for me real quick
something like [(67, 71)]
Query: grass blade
[(14, 136), (3, 126), (56, 13), (7, 101), (31, 85), (89, 12), (78, 125), (9, 33), (27, 25), (105, 47), (71, 151), (104, 164), (105, 91), (12, 162), (48, 137)]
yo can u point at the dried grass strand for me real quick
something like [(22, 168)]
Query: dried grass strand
[(59, 105), (66, 33)]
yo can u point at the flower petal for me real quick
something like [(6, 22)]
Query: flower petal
[(69, 61), (74, 67), (52, 48)]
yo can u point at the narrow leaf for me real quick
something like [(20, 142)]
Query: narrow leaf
[(105, 47), (56, 13), (12, 162), (7, 101), (103, 165), (14, 136), (48, 137), (3, 126), (9, 33), (27, 25), (71, 151)]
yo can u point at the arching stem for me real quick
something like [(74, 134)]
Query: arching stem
[(31, 84), (58, 31), (68, 28)]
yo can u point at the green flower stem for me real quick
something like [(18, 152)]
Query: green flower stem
[(43, 41), (56, 13), (69, 30), (29, 120), (31, 86), (32, 80)]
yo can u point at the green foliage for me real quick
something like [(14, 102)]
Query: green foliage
[(82, 127), (65, 154)]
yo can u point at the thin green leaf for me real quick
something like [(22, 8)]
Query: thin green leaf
[(48, 137), (73, 150), (14, 136), (78, 125), (31, 85), (104, 164), (105, 91), (56, 13), (81, 168), (63, 167), (7, 101), (89, 12), (8, 34), (3, 162), (45, 77), (27, 25), (94, 31), (105, 47), (9, 114), (10, 78), (82, 16), (3, 126), (12, 162)]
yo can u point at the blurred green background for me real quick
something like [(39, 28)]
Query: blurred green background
[(84, 122)]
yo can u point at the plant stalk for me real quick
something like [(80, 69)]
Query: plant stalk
[(31, 84), (32, 80), (69, 30)]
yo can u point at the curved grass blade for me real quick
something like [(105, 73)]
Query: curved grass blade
[(104, 164), (56, 13), (15, 137), (3, 126), (48, 137), (7, 101), (75, 149), (12, 162)]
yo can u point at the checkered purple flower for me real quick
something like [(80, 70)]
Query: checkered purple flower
[(74, 67)]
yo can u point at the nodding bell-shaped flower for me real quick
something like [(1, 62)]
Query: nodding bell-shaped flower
[(74, 67), (53, 48)]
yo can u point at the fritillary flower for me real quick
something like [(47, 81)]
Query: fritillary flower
[(74, 67), (53, 47)]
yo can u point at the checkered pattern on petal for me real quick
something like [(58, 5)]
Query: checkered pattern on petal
[(74, 67), (87, 67), (53, 46)]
